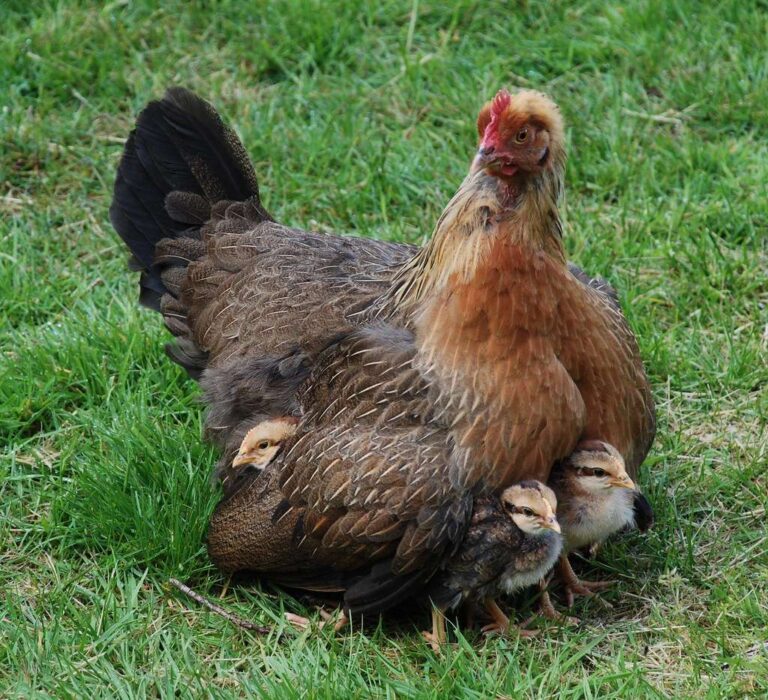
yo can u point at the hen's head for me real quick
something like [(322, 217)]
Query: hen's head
[(262, 442), (520, 135)]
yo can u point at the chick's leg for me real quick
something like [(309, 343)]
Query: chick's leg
[(500, 624), (547, 609), (438, 636), (573, 585)]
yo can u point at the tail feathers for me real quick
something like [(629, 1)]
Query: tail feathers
[(381, 590), (178, 162), (210, 151), (138, 204), (188, 208), (186, 353)]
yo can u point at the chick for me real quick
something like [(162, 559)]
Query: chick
[(596, 498), (513, 541), (262, 442)]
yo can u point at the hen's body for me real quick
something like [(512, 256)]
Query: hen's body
[(497, 358), (361, 481)]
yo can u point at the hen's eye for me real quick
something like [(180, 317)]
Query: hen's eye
[(521, 135), (263, 445), (528, 512), (599, 472)]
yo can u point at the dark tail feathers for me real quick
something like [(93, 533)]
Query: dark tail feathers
[(644, 517), (178, 162)]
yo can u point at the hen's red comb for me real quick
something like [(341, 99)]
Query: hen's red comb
[(500, 102)]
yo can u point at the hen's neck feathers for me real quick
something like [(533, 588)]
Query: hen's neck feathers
[(488, 277), (483, 211)]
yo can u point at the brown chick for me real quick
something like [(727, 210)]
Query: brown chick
[(512, 541), (596, 498), (262, 442)]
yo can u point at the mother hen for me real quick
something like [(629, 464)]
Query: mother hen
[(510, 356)]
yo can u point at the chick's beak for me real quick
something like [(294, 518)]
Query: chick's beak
[(622, 482), (243, 458), (551, 523), (549, 520)]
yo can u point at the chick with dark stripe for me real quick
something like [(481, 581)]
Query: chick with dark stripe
[(597, 498), (512, 542)]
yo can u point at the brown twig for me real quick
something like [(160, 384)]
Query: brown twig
[(234, 619)]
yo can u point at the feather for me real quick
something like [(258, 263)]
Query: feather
[(644, 517)]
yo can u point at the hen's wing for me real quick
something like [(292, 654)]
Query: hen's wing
[(638, 427), (599, 284), (366, 479), (262, 288)]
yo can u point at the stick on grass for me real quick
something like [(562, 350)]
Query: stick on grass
[(234, 619)]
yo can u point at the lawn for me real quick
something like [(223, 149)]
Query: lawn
[(360, 118)]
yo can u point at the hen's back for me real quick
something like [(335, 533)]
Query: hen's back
[(227, 279)]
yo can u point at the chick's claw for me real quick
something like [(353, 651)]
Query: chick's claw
[(433, 641), (299, 622), (502, 630), (585, 589), (575, 587)]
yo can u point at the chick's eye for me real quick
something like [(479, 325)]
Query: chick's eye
[(521, 135), (599, 472), (528, 512), (263, 445)]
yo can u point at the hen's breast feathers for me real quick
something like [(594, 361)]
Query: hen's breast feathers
[(527, 360), (492, 346)]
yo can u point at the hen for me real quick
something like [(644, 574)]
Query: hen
[(479, 361)]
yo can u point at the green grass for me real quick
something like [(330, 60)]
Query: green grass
[(360, 119)]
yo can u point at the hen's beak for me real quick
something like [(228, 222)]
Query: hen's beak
[(488, 158), (486, 155), (622, 482)]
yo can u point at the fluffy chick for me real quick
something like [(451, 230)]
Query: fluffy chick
[(596, 498), (262, 442), (513, 541)]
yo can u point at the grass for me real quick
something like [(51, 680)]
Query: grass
[(359, 117)]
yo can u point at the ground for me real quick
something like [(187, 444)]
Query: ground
[(359, 118)]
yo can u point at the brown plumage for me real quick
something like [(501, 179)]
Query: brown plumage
[(458, 369), (364, 479)]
